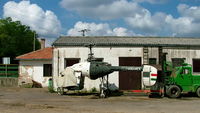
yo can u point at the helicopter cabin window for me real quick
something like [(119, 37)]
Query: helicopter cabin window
[(185, 72), (177, 61), (196, 65)]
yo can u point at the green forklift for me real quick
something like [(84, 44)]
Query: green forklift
[(176, 80)]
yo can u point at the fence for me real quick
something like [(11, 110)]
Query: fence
[(9, 70)]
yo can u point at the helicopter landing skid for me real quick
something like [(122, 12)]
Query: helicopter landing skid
[(104, 90)]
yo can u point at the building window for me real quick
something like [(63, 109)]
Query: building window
[(185, 72), (152, 60), (71, 61), (47, 72), (177, 61), (196, 65)]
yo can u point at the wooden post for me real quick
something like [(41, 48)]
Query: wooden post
[(6, 70)]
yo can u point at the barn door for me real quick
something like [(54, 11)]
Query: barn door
[(129, 80)]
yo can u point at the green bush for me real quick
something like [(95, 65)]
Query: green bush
[(93, 90)]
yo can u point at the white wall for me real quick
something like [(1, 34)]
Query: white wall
[(188, 54), (33, 70), (110, 55), (153, 53)]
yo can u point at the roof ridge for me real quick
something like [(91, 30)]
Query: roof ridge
[(161, 37), (127, 41)]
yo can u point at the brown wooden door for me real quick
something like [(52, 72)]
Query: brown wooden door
[(129, 80), (71, 61)]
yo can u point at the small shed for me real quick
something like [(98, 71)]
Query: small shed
[(36, 67)]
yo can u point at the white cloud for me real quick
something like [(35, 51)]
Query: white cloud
[(189, 22), (102, 9), (190, 12), (137, 17), (120, 31), (147, 23), (183, 26), (49, 41), (102, 29), (74, 4), (95, 29), (45, 23), (152, 1)]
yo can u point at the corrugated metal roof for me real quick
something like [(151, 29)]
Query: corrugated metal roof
[(127, 41), (42, 54)]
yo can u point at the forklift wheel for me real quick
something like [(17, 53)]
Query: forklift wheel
[(198, 92), (173, 91)]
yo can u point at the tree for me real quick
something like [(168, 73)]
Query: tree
[(16, 39)]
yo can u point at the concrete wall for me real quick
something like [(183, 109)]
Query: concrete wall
[(188, 54), (110, 55), (153, 53), (33, 70), (8, 82)]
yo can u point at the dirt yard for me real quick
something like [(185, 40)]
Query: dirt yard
[(33, 100)]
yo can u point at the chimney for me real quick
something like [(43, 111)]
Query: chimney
[(42, 43)]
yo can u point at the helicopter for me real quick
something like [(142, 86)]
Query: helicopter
[(73, 77)]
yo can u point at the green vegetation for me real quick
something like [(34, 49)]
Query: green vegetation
[(16, 39), (93, 90), (28, 85), (51, 90)]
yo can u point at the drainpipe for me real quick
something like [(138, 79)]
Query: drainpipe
[(160, 53)]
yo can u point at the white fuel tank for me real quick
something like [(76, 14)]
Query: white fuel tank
[(149, 75)]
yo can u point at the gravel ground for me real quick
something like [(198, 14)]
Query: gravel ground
[(33, 100)]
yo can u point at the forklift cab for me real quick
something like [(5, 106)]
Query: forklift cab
[(184, 77)]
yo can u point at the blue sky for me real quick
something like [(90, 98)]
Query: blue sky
[(52, 18)]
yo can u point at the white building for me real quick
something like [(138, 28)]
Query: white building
[(124, 51), (36, 66)]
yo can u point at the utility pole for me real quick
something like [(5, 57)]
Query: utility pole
[(84, 31), (34, 41)]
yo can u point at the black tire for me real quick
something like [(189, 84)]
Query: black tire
[(198, 92), (173, 91), (60, 91)]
